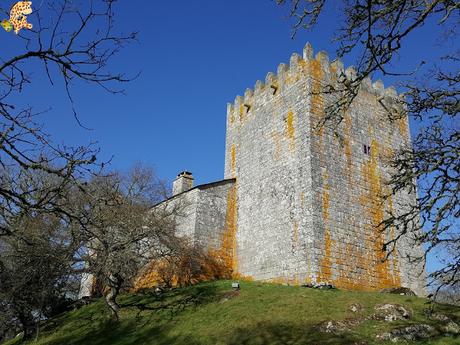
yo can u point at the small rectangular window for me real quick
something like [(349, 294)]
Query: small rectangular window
[(366, 149)]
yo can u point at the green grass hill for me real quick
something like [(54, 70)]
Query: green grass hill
[(260, 313)]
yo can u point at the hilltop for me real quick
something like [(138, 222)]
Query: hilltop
[(260, 313)]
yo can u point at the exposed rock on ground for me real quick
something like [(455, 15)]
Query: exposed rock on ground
[(356, 308), (412, 332), (320, 286), (399, 291), (450, 326), (432, 315), (391, 312), (384, 312), (340, 326)]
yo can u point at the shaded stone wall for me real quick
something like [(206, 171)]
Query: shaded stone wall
[(308, 199), (212, 223), (184, 206), (349, 180), (201, 213)]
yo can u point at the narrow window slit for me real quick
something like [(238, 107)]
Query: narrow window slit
[(366, 149)]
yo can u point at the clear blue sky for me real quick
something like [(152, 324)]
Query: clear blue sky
[(194, 57)]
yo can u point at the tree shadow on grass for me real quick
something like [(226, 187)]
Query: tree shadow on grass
[(268, 333), (121, 333), (171, 302), (145, 319)]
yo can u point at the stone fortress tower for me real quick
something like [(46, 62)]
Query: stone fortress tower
[(301, 203), (307, 201)]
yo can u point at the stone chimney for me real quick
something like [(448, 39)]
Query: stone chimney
[(183, 182)]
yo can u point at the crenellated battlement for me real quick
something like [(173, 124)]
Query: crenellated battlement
[(305, 67)]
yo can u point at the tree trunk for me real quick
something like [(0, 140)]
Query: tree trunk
[(28, 325), (111, 297)]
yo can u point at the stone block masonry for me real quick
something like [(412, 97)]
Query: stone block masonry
[(309, 198)]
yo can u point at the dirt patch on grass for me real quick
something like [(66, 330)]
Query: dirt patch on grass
[(229, 295)]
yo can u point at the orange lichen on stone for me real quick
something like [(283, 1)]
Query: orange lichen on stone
[(149, 277), (233, 159), (325, 203), (333, 71), (279, 280), (349, 265), (303, 70), (232, 117), (293, 280), (214, 264), (291, 77), (290, 128), (308, 279), (317, 102), (354, 268), (396, 274), (373, 206), (241, 112), (238, 276), (181, 270), (315, 71), (325, 273), (228, 247), (295, 234)]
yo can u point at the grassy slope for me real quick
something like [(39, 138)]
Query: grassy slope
[(261, 314)]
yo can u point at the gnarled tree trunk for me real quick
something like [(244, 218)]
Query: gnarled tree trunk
[(28, 325), (114, 284)]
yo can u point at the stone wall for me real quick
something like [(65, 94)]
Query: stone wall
[(349, 174), (268, 153), (203, 213), (309, 198), (211, 219), (184, 207)]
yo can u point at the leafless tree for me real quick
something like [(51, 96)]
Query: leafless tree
[(34, 274), (189, 264), (375, 31), (70, 42), (40, 223), (449, 294), (125, 231)]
